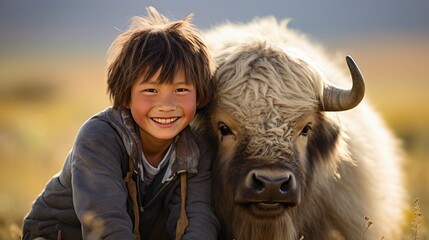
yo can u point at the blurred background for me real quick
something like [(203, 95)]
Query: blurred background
[(52, 76)]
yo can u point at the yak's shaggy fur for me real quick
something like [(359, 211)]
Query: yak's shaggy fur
[(267, 116)]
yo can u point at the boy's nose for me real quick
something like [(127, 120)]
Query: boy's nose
[(167, 103)]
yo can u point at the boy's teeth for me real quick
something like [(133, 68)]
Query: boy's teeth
[(165, 120)]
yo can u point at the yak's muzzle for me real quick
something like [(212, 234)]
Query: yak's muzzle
[(268, 192)]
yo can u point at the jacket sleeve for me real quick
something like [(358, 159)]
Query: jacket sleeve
[(98, 188), (203, 224)]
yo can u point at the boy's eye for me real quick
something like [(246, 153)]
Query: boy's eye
[(182, 90), (150, 90)]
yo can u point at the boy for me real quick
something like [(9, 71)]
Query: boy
[(136, 169)]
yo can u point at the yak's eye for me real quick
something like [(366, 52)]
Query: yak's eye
[(306, 129), (224, 129)]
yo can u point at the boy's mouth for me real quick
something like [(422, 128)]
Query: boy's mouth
[(164, 120)]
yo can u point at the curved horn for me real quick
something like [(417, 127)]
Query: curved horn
[(337, 99)]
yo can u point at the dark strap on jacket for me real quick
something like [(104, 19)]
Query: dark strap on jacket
[(132, 190), (182, 222)]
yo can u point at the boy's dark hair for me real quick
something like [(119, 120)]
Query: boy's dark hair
[(155, 42)]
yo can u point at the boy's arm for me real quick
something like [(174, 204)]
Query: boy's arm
[(98, 187), (203, 224)]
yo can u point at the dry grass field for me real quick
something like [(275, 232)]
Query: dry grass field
[(44, 101)]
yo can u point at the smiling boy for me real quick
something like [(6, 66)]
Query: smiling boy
[(137, 167)]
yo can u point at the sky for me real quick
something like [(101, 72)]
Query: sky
[(45, 26)]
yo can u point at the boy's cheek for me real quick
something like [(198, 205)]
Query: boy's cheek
[(190, 106)]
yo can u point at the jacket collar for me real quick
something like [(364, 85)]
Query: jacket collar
[(186, 152)]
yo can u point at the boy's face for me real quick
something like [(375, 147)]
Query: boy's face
[(162, 110)]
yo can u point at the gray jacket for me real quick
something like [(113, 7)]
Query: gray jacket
[(91, 184)]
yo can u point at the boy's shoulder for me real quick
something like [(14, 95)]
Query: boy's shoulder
[(103, 123), (108, 115), (201, 130), (203, 138)]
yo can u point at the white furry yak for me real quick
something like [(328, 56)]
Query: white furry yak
[(332, 168)]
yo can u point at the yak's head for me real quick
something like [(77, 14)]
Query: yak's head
[(272, 130)]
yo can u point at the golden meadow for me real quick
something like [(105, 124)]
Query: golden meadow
[(45, 99)]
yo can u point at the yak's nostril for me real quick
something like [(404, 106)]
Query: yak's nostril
[(258, 184), (285, 186)]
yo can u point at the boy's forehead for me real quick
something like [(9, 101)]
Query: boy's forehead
[(179, 77)]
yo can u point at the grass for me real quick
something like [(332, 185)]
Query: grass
[(417, 222)]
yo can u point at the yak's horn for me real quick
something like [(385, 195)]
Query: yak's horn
[(336, 99)]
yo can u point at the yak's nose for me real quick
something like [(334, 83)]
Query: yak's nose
[(267, 185), (280, 183)]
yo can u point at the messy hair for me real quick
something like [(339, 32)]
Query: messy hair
[(152, 43)]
